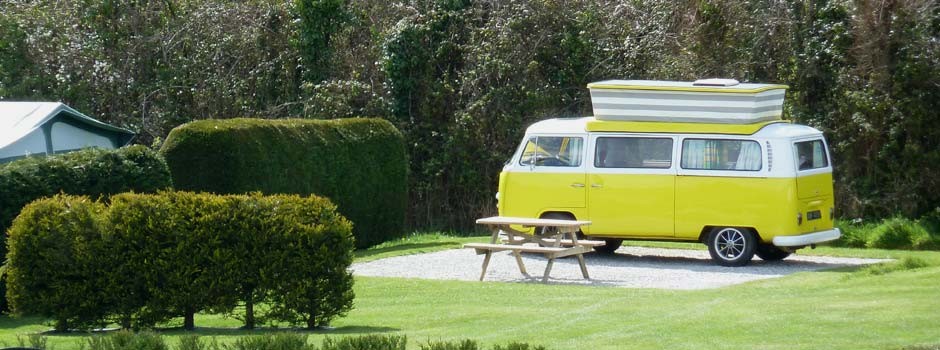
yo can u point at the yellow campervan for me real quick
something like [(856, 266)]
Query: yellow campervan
[(708, 161)]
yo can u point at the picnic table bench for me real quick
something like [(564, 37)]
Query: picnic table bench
[(548, 238)]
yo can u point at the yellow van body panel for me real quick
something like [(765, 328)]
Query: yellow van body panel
[(687, 128), (531, 194), (765, 204), (634, 205), (816, 202)]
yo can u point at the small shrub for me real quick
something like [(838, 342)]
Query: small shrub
[(126, 340), (899, 233), (466, 344), (278, 341), (191, 342), (854, 235), (367, 342), (519, 346)]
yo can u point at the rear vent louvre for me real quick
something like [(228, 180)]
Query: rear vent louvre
[(770, 157)]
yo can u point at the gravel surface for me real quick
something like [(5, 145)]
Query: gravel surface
[(631, 267)]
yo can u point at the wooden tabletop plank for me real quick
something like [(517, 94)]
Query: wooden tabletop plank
[(506, 220)]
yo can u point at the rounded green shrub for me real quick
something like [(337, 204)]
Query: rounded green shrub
[(358, 163), (57, 265)]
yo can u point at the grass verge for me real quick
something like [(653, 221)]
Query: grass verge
[(888, 306)]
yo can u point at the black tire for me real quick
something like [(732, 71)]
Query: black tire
[(770, 252), (556, 216), (731, 246), (610, 246)]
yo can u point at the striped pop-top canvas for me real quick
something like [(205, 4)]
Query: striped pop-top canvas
[(674, 101)]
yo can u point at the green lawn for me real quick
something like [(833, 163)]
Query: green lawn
[(852, 308)]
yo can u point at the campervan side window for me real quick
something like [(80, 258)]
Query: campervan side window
[(810, 155), (633, 152), (555, 151), (716, 154)]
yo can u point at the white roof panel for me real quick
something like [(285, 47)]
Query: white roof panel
[(18, 119)]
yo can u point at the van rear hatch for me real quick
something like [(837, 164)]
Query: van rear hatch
[(814, 186)]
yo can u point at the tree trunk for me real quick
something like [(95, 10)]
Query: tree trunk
[(126, 322), (249, 313), (311, 322), (61, 326), (189, 323)]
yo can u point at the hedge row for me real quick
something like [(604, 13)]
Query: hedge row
[(893, 233), (282, 341), (93, 172), (358, 163), (148, 258)]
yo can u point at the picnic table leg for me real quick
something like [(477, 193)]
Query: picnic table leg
[(548, 269), (519, 262), (583, 267), (486, 262)]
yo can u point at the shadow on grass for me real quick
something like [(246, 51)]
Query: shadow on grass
[(404, 247)]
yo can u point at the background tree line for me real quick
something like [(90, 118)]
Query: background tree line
[(462, 79)]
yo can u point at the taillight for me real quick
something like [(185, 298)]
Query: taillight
[(799, 218)]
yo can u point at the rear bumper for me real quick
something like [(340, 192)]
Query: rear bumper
[(807, 239)]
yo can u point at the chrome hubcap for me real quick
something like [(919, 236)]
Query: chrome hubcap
[(729, 243)]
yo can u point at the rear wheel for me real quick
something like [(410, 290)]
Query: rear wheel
[(730, 246), (770, 252), (610, 246)]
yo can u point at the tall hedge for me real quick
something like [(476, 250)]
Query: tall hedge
[(359, 163), (149, 258), (92, 172)]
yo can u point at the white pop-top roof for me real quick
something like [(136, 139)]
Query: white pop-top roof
[(580, 126), (18, 119)]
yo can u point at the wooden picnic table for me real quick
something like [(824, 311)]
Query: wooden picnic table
[(555, 239)]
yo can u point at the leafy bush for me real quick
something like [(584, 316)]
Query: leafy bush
[(358, 163), (126, 340), (854, 235), (57, 264), (900, 233), (366, 342), (279, 341), (152, 257), (466, 344)]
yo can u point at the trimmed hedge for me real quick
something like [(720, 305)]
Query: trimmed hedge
[(359, 164), (92, 172), (149, 258)]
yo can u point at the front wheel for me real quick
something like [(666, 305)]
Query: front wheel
[(730, 246), (770, 252)]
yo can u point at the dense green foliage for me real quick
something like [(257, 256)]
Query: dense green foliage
[(893, 233), (358, 163), (92, 172), (149, 258), (462, 79), (55, 265)]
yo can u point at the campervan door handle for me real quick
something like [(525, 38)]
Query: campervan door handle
[(577, 185), (596, 185)]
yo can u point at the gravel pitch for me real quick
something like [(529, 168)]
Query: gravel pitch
[(630, 267)]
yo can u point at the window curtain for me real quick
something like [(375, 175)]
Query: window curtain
[(749, 158), (700, 154)]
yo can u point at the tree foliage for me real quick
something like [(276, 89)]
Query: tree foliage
[(462, 79)]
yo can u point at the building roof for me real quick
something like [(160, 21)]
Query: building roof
[(18, 119)]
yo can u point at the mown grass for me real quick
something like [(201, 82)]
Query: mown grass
[(887, 306)]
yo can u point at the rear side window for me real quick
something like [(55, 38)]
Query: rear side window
[(811, 155), (554, 151), (633, 152), (712, 154)]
